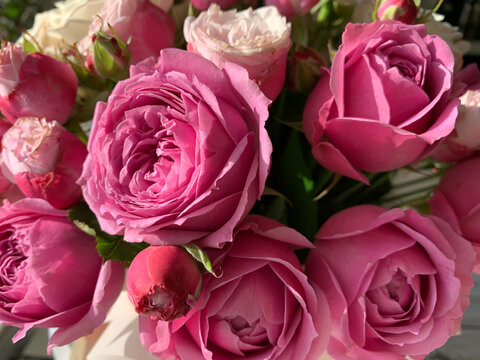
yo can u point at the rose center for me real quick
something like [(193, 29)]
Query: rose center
[(399, 290)]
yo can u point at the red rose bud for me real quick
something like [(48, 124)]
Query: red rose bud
[(402, 10), (109, 56), (163, 281), (303, 69)]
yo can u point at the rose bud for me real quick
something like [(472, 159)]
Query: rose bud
[(110, 56), (35, 85), (303, 69), (164, 282), (402, 10), (45, 160)]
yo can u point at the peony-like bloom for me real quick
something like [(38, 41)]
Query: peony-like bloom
[(144, 23), (397, 282), (163, 282), (56, 30), (291, 8), (457, 200), (261, 307), (52, 275), (35, 85), (258, 40), (45, 160), (179, 153), (402, 10), (385, 103)]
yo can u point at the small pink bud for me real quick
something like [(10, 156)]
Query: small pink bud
[(45, 160), (402, 10), (163, 281), (303, 68)]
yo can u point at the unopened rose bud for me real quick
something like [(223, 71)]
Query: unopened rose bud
[(163, 281), (45, 160), (109, 56), (303, 68), (402, 10)]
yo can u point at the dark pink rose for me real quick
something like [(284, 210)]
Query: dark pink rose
[(291, 8), (457, 200), (402, 10), (164, 282), (261, 307), (149, 28), (205, 4), (179, 153), (45, 160), (384, 103), (397, 282), (52, 275), (35, 85)]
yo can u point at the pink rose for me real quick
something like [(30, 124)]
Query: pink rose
[(291, 8), (385, 103), (163, 281), (258, 40), (457, 200), (45, 160), (52, 274), (397, 282), (402, 10), (147, 25), (261, 307), (8, 188), (35, 85), (179, 153)]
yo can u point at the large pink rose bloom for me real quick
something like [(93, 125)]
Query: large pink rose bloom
[(397, 282), (179, 153), (51, 274), (144, 23), (384, 103), (35, 85), (261, 307), (457, 200)]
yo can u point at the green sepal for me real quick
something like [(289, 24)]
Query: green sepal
[(201, 257)]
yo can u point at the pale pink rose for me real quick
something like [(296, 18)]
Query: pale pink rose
[(35, 85), (258, 40), (261, 307), (163, 282), (52, 274), (385, 102), (397, 282), (45, 160), (179, 153), (146, 23), (457, 200), (292, 8), (8, 188)]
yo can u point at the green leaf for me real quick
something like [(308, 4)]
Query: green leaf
[(110, 247), (29, 47), (201, 257)]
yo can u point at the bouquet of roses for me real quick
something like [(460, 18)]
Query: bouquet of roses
[(242, 161)]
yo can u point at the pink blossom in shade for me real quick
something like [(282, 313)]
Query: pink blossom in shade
[(261, 307), (457, 200), (149, 28), (205, 4), (52, 275), (35, 85), (179, 153), (385, 102), (402, 10), (257, 40), (405, 288), (163, 281), (45, 160), (291, 8)]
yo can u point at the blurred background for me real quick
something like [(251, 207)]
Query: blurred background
[(16, 15)]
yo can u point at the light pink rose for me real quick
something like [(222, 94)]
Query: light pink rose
[(291, 8), (384, 103), (457, 200), (149, 28), (261, 307), (35, 85), (45, 160), (397, 282), (163, 281), (179, 153), (8, 188), (258, 40), (52, 275)]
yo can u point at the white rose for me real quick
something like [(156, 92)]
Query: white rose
[(57, 29), (257, 39)]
